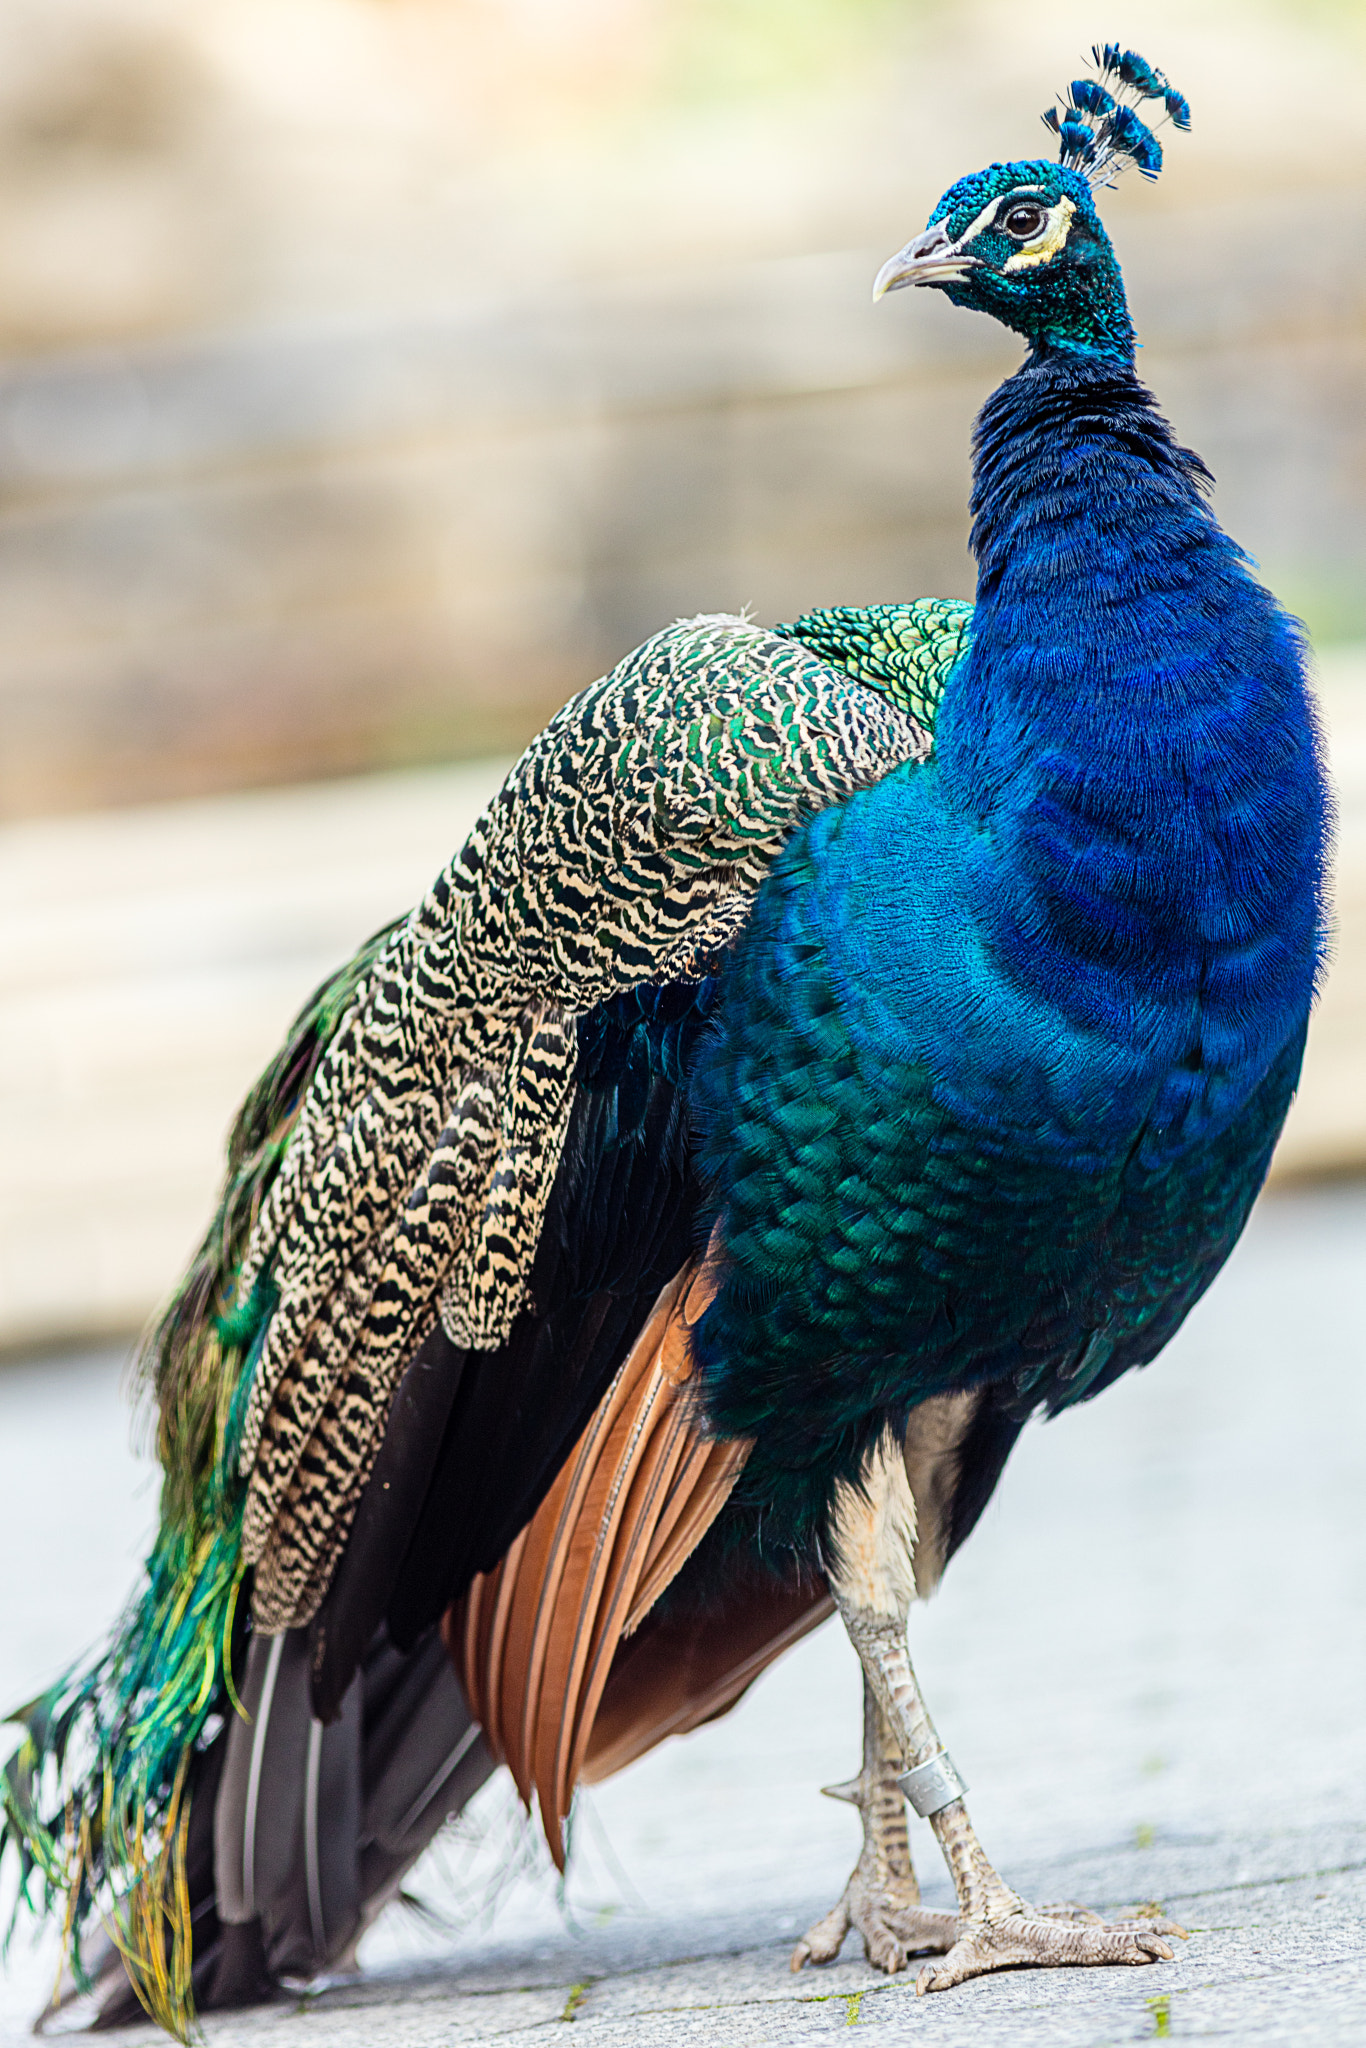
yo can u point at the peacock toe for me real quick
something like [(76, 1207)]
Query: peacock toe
[(1066, 1937), (893, 1925)]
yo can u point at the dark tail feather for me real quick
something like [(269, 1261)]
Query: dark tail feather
[(301, 1833)]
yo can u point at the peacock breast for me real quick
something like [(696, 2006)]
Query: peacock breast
[(909, 941), (924, 1178)]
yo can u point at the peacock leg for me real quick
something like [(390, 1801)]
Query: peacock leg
[(872, 1580), (882, 1898)]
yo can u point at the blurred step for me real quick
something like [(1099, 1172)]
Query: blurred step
[(150, 961)]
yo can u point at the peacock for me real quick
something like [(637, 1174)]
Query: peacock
[(836, 1043)]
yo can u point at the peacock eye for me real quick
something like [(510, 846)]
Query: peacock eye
[(1024, 222)]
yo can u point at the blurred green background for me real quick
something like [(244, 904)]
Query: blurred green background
[(374, 373)]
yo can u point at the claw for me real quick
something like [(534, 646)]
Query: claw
[(823, 1942)]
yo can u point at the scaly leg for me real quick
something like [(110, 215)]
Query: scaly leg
[(882, 1898), (871, 1578)]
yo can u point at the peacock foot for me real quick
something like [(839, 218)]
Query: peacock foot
[(894, 1927), (882, 1898), (1047, 1938)]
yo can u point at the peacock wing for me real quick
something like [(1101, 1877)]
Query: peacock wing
[(624, 849)]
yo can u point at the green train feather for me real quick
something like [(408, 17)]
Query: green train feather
[(108, 1746)]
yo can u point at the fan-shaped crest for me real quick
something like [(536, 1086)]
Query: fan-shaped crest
[(1096, 122)]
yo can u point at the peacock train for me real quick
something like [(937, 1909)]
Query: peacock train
[(836, 1043)]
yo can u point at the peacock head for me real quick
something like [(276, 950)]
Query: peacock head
[(1024, 242)]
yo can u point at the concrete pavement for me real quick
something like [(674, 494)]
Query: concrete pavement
[(1149, 1662)]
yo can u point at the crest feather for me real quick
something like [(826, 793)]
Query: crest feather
[(1099, 130)]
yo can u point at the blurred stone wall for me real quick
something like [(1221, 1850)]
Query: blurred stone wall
[(373, 373), (259, 559)]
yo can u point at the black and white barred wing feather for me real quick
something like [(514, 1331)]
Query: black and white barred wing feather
[(624, 848)]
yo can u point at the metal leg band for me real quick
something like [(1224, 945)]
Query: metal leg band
[(932, 1785)]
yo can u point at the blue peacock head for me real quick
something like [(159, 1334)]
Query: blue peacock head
[(1024, 242)]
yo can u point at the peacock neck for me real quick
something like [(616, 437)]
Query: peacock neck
[(1128, 744)]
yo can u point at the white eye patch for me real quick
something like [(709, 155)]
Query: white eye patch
[(1047, 243), (987, 217)]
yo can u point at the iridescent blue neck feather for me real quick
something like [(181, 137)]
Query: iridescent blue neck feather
[(1116, 854)]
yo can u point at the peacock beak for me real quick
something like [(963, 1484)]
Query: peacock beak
[(930, 258)]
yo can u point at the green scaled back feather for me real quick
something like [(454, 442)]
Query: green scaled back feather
[(105, 1753), (905, 651)]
